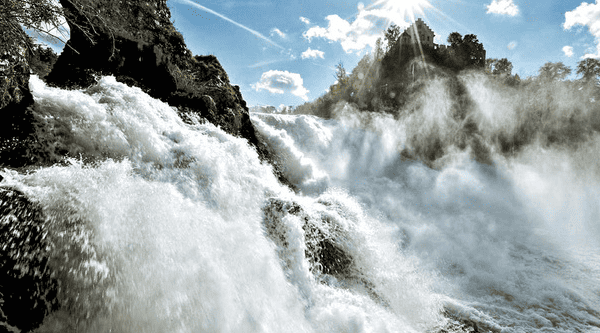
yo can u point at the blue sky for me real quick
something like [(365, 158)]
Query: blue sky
[(285, 52), (262, 42)]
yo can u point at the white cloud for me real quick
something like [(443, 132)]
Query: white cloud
[(353, 36), (280, 82), (503, 7), (278, 32), (305, 20), (587, 15), (368, 25), (512, 45), (309, 53), (568, 50)]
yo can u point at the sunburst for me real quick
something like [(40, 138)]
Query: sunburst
[(401, 11)]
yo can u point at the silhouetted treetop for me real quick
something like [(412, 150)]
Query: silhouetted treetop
[(499, 66), (455, 39), (554, 71), (589, 68), (391, 36)]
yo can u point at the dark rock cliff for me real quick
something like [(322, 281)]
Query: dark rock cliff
[(16, 98), (136, 42)]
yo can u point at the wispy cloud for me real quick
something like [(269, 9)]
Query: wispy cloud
[(310, 53), (512, 45), (304, 20), (254, 32), (503, 7), (265, 63), (278, 32), (280, 82), (568, 50), (233, 4), (587, 15)]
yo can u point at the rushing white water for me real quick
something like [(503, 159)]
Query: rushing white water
[(161, 226)]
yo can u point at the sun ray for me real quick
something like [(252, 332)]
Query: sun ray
[(403, 13), (400, 11)]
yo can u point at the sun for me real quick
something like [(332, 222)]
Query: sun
[(403, 10)]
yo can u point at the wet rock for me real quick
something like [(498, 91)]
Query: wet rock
[(136, 42), (27, 288), (323, 251), (15, 97), (325, 246)]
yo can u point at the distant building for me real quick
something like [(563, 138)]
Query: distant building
[(418, 29), (420, 33)]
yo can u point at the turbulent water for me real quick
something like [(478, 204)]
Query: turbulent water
[(160, 226)]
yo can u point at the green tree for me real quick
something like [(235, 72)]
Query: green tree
[(44, 17), (378, 51), (41, 16), (502, 66), (42, 60), (341, 89), (473, 50), (489, 64), (589, 68), (455, 39), (340, 72), (552, 71), (391, 36)]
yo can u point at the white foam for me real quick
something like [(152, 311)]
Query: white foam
[(158, 226), (514, 242)]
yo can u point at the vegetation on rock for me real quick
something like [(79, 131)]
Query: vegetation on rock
[(549, 109)]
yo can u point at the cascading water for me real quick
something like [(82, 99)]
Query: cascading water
[(156, 225)]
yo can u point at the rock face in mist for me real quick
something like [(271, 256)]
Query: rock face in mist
[(136, 42), (27, 290), (325, 246)]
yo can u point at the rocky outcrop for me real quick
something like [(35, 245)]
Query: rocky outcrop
[(136, 42), (320, 240)]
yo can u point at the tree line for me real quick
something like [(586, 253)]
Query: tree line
[(588, 68), (384, 79)]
